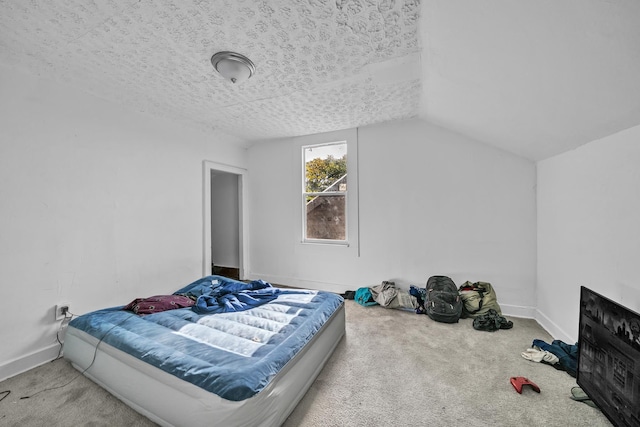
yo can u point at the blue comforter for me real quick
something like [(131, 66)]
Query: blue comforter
[(217, 294), (233, 354)]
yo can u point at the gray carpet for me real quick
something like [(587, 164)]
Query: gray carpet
[(393, 368)]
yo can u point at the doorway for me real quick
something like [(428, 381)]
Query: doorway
[(225, 222)]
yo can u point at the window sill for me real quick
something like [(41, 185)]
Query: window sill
[(325, 242)]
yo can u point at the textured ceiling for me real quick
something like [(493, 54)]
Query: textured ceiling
[(322, 65), (535, 78)]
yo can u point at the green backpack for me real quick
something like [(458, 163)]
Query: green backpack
[(478, 298)]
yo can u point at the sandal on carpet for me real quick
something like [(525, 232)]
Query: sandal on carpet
[(579, 395)]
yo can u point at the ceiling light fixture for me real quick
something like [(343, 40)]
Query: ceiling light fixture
[(233, 66)]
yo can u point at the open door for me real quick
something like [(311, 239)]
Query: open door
[(224, 218)]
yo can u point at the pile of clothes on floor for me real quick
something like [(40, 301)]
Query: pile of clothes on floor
[(561, 356), (477, 300), (386, 295), (558, 354)]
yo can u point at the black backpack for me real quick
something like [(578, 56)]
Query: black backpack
[(442, 301)]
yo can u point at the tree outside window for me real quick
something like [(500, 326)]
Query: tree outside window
[(325, 192)]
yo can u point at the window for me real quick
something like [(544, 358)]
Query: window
[(324, 192)]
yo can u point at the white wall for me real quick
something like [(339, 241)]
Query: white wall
[(98, 206), (431, 202), (588, 229)]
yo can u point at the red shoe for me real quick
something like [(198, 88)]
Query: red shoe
[(518, 382)]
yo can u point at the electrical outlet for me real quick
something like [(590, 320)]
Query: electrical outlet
[(62, 310)]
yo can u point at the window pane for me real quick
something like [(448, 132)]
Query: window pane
[(325, 168), (326, 218)]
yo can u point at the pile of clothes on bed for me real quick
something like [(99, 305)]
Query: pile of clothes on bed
[(209, 295)]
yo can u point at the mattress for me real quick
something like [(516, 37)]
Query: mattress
[(181, 367)]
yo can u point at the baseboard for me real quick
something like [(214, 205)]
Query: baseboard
[(554, 330), (301, 283), (507, 309), (28, 362), (518, 311)]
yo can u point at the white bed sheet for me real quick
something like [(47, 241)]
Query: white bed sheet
[(169, 401)]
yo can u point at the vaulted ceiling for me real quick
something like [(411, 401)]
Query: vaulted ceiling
[(535, 78)]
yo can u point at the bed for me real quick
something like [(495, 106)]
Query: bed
[(243, 354)]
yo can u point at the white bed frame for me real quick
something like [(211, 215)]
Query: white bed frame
[(169, 401)]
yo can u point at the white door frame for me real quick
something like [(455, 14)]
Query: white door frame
[(207, 167)]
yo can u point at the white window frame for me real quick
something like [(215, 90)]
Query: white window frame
[(304, 195)]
